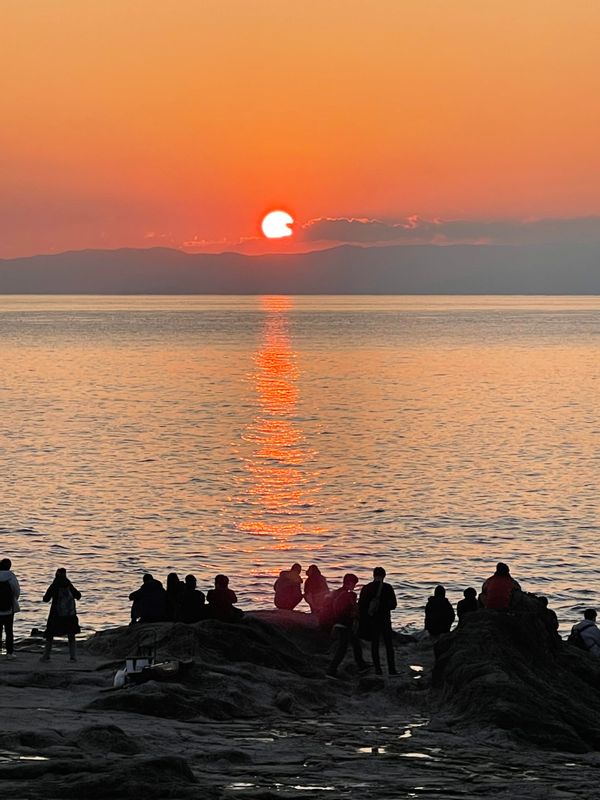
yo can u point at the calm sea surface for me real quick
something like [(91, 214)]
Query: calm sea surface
[(431, 435)]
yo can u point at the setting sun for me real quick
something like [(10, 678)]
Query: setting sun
[(276, 224)]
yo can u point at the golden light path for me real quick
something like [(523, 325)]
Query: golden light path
[(281, 482)]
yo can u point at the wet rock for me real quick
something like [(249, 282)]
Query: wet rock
[(371, 683), (284, 701), (104, 739), (507, 671)]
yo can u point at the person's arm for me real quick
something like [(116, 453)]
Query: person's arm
[(232, 597), (49, 594), (14, 584), (74, 592), (451, 613), (392, 603)]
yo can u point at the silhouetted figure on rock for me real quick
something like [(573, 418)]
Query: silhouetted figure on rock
[(468, 604), (589, 632), (343, 605), (62, 619), (498, 590), (377, 600), (191, 606), (439, 614), (315, 589), (175, 589), (550, 618), (149, 602), (221, 601), (9, 596), (288, 588)]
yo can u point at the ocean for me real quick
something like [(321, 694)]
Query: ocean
[(431, 435)]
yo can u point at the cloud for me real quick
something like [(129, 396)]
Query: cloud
[(416, 230)]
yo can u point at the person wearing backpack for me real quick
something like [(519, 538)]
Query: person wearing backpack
[(9, 597), (343, 607), (587, 632), (62, 619)]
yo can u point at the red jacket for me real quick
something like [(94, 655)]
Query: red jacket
[(497, 591)]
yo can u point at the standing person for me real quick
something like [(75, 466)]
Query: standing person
[(221, 601), (9, 597), (62, 619), (439, 614), (288, 588), (376, 602), (175, 589), (497, 591), (468, 604), (315, 589), (344, 617)]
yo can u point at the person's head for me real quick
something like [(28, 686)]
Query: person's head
[(190, 581), (6, 563), (147, 578), (172, 581), (543, 601), (296, 568), (350, 581), (470, 593), (221, 581), (61, 572), (378, 573), (502, 569), (313, 570), (439, 591), (590, 613)]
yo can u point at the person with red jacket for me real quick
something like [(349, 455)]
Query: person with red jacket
[(497, 590), (343, 606)]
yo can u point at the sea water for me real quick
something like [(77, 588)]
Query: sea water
[(431, 435)]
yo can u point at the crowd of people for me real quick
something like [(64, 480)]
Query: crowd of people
[(351, 617)]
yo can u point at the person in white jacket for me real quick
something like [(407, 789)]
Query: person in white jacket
[(589, 631), (9, 604)]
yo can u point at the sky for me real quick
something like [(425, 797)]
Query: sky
[(154, 123)]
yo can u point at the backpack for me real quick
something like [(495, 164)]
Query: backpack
[(64, 604), (576, 639), (6, 596)]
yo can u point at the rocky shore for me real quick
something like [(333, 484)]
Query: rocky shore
[(497, 710)]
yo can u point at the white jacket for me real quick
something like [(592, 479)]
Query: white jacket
[(9, 575), (590, 633)]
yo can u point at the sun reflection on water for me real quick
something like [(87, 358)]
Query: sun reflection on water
[(279, 481)]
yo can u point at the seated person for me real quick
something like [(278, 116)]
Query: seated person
[(589, 632), (497, 591), (439, 614), (191, 602), (221, 601), (149, 601), (550, 618), (315, 589), (468, 605), (288, 588)]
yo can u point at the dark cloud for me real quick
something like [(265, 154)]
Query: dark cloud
[(415, 230)]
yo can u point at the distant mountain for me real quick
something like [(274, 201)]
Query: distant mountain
[(420, 269)]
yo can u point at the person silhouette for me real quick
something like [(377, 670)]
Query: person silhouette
[(468, 604), (344, 618), (62, 619), (149, 602), (221, 601), (439, 614), (191, 606), (376, 602), (175, 588), (315, 589), (288, 588), (9, 605), (498, 590)]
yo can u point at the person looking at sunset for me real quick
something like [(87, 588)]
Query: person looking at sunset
[(288, 588), (497, 591), (376, 602), (315, 589)]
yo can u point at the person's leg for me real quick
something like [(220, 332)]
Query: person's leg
[(47, 648), (358, 651), (2, 618), (8, 627), (389, 649), (343, 639), (375, 650), (72, 647)]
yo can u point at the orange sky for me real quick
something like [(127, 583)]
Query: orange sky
[(144, 122)]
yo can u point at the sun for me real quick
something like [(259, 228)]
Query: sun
[(276, 224)]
